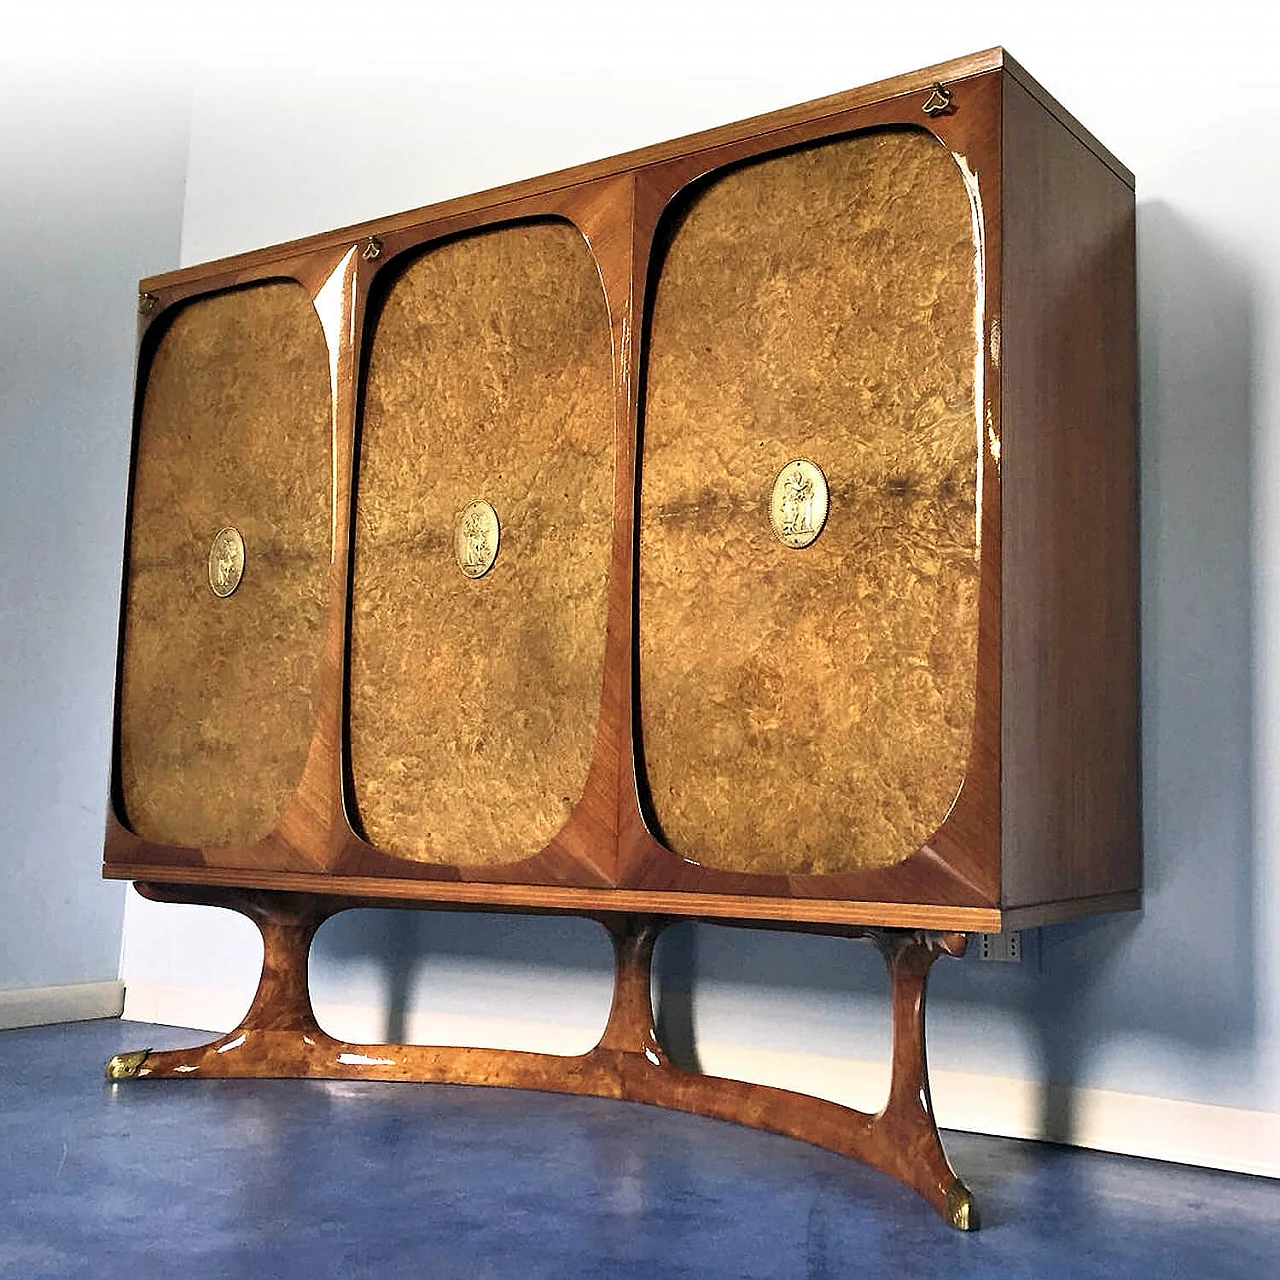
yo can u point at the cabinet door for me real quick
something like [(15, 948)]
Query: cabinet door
[(227, 572), (807, 702), (477, 632)]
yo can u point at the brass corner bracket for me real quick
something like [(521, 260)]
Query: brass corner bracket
[(938, 103)]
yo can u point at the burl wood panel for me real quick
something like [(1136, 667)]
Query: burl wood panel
[(474, 702), (218, 696), (1071, 804), (812, 710)]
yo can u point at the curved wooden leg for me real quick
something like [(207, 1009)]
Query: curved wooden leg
[(902, 1140), (279, 1036), (913, 1150), (631, 1031)]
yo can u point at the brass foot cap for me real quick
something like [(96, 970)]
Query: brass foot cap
[(124, 1066), (962, 1213)]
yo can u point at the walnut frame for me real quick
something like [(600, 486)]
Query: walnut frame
[(1047, 825)]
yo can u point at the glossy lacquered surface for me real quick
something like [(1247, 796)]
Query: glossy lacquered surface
[(474, 700), (235, 431), (279, 1036), (299, 1179), (644, 709), (811, 709), (421, 731)]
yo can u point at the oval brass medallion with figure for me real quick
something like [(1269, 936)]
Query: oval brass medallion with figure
[(226, 561), (475, 539), (798, 506)]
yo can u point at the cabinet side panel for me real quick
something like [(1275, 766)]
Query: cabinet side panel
[(1070, 769), (474, 700), (811, 710), (217, 699)]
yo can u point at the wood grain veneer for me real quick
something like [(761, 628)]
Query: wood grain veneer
[(279, 1036), (218, 696), (812, 710), (1001, 648), (648, 708), (474, 702), (1071, 815)]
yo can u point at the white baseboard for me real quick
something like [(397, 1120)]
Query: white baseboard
[(1193, 1133), (213, 1009), (39, 1006)]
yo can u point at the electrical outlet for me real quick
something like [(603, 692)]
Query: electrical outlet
[(1006, 947)]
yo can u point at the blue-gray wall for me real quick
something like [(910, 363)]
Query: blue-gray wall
[(91, 180)]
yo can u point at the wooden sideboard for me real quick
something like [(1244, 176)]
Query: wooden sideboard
[(743, 528)]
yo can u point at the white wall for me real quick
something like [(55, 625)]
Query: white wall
[(360, 114), (91, 181)]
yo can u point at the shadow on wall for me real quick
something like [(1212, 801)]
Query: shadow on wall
[(1159, 1002), (1181, 974), (553, 969)]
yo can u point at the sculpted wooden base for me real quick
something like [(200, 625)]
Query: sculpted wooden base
[(279, 1037)]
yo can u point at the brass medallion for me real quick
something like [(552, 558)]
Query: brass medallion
[(226, 561), (798, 507), (475, 539)]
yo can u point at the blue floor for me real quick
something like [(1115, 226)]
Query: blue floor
[(280, 1179)]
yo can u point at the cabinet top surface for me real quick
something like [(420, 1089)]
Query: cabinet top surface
[(988, 60)]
